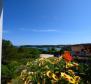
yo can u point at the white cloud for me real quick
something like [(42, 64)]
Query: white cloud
[(45, 30), (39, 30)]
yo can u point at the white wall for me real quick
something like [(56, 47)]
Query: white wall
[(46, 55)]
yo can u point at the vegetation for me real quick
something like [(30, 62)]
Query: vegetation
[(13, 57), (50, 70), (22, 65)]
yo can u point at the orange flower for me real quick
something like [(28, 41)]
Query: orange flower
[(67, 56)]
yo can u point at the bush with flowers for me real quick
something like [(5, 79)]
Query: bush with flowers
[(51, 70)]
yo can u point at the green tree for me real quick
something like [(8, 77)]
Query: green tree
[(5, 74), (9, 52)]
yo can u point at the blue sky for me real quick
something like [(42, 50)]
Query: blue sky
[(38, 22)]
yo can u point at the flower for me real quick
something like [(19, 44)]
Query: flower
[(24, 72), (67, 56), (77, 79), (71, 80), (68, 77), (49, 74), (69, 64), (71, 71), (55, 77), (30, 73)]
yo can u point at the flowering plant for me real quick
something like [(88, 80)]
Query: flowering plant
[(51, 70)]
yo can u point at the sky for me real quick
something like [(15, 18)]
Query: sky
[(40, 22)]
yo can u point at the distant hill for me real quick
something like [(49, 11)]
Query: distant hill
[(58, 46)]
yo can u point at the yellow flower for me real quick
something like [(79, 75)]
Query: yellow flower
[(71, 80), (49, 74), (55, 77), (62, 74), (77, 79), (24, 72), (71, 71), (69, 65), (52, 75), (68, 77), (30, 73)]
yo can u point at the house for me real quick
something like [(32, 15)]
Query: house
[(81, 49)]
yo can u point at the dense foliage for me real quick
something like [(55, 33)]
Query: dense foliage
[(13, 57), (49, 70)]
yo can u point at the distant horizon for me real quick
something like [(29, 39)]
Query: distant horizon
[(47, 22), (43, 44)]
